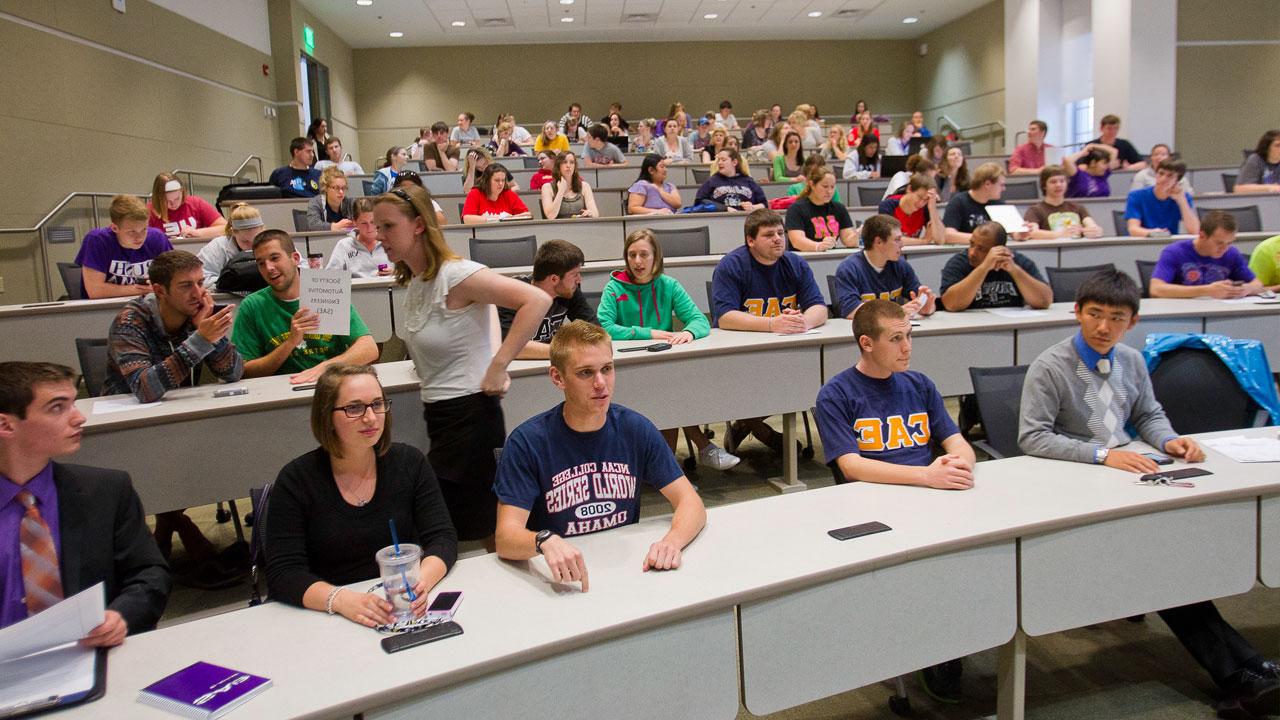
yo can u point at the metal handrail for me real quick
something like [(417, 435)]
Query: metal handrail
[(227, 176), (944, 121)]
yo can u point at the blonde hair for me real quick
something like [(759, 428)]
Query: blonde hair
[(325, 403), (644, 234), (575, 334), (986, 172), (842, 142), (129, 207), (158, 204), (413, 201), (331, 173), (240, 211)]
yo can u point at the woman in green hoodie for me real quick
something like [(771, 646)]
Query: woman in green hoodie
[(641, 303)]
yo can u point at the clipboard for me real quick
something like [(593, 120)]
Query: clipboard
[(40, 707)]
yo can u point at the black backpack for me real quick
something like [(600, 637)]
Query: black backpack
[(241, 274)]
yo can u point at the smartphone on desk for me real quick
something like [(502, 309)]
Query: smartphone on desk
[(857, 531)]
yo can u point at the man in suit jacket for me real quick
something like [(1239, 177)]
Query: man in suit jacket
[(93, 516)]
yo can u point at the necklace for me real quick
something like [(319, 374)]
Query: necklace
[(360, 499)]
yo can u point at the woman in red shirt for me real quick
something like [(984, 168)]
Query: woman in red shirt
[(495, 202), (546, 161), (178, 214)]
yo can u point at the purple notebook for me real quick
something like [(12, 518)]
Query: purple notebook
[(203, 691)]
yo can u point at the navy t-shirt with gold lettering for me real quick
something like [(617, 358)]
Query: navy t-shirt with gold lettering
[(892, 420), (574, 483), (740, 282)]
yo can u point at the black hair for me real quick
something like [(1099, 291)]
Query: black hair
[(1112, 288)]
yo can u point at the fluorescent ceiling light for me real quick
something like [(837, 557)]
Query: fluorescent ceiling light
[(910, 20), (816, 13), (458, 23), (566, 19), (397, 34), (710, 16), (366, 3)]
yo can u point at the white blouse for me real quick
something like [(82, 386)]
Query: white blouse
[(450, 349)]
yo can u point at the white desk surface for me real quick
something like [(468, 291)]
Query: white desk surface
[(311, 656)]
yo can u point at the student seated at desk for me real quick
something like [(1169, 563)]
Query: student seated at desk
[(878, 419), (1146, 177), (1206, 265), (113, 260), (731, 186), (550, 139), (276, 336), (597, 151), (409, 177), (567, 195), (330, 507), (244, 222), (182, 215), (1056, 217), (542, 176), (298, 178), (1265, 263), (492, 199), (163, 341), (331, 209), (916, 209), (761, 287), (1261, 170), (967, 209), (816, 220), (83, 525), (393, 164), (557, 271), (477, 160), (880, 273), (651, 194), (990, 275), (503, 144), (1089, 170), (1078, 399), (335, 157), (359, 252), (449, 330), (1156, 210), (642, 303), (586, 453)]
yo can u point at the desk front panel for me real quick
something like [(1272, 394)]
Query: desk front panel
[(686, 670), (1269, 540), (1135, 565), (816, 642)]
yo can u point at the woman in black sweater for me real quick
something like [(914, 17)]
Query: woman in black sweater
[(329, 508)]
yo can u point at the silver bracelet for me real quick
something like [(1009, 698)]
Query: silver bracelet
[(328, 602)]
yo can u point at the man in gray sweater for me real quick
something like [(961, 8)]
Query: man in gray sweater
[(1077, 399)]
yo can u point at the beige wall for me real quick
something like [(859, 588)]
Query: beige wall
[(80, 118), (962, 76), (1226, 95), (331, 52), (398, 90)]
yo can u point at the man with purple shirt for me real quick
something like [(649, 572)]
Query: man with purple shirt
[(76, 526), (114, 260), (1205, 265)]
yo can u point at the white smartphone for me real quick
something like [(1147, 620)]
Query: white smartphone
[(444, 606)]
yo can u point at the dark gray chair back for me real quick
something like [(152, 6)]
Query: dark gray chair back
[(72, 280), (92, 353), (1026, 190), (998, 392), (504, 252), (299, 220), (1229, 182), (835, 297), (869, 195), (368, 187), (1248, 219), (1122, 225), (258, 497), (683, 242), (1145, 268), (700, 175), (1200, 394), (1066, 281)]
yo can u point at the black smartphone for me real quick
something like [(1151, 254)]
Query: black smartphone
[(857, 531), (414, 638), (1159, 458), (659, 347)]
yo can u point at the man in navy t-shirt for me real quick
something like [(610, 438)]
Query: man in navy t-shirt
[(298, 178), (576, 468), (878, 420), (1206, 265), (990, 275), (880, 273), (761, 287)]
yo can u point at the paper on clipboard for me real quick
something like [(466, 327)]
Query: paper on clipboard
[(1008, 217), (327, 293), (40, 661)]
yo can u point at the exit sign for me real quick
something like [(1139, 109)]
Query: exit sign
[(308, 39)]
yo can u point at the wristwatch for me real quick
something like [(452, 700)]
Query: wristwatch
[(541, 537), (1100, 455)]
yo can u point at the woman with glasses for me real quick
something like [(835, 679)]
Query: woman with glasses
[(330, 507), (450, 331), (331, 209)]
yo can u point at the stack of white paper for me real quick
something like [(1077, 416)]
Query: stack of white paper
[(1247, 449), (39, 657)]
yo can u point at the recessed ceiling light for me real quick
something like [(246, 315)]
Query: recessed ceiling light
[(566, 2), (566, 19), (816, 13), (397, 34), (910, 20), (710, 16), (458, 23), (364, 2)]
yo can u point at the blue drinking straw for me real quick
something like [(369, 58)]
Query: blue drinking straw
[(395, 543)]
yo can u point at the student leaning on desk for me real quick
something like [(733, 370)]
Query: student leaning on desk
[(576, 468), (65, 528), (1077, 400)]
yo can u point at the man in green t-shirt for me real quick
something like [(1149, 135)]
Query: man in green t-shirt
[(1265, 263), (275, 336)]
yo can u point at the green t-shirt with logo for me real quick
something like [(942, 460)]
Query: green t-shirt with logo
[(262, 324)]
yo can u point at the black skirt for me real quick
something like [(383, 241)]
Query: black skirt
[(467, 434)]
